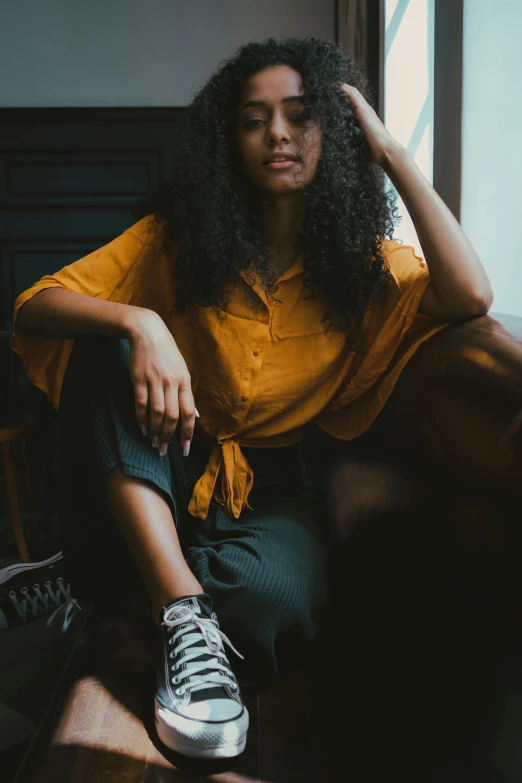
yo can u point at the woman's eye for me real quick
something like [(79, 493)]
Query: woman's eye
[(301, 116), (298, 117), (252, 123)]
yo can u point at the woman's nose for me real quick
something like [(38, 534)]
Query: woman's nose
[(278, 129)]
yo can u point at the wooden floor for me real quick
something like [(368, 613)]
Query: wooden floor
[(101, 730)]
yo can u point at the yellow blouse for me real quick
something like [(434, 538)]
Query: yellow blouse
[(257, 375)]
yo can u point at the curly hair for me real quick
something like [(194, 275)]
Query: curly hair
[(209, 210)]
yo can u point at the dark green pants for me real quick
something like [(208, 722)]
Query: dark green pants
[(265, 571)]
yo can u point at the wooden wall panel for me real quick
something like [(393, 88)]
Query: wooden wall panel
[(70, 180)]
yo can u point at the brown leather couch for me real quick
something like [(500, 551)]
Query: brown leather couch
[(459, 401), (454, 417), (421, 649)]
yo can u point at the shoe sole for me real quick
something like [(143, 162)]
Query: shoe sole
[(174, 731), (12, 570)]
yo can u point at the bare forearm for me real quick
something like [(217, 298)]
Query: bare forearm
[(58, 314), (456, 272)]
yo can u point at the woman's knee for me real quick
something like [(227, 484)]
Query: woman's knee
[(288, 593), (98, 364), (92, 353)]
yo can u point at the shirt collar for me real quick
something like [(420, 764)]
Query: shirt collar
[(295, 269)]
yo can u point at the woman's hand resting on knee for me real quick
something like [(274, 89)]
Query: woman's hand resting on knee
[(162, 383)]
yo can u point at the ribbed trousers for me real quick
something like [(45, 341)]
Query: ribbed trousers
[(265, 571)]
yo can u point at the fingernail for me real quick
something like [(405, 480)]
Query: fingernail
[(144, 431), (163, 449), (197, 414), (155, 442), (186, 448)]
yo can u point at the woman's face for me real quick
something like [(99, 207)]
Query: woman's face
[(270, 123)]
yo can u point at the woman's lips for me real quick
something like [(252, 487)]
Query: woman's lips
[(280, 164)]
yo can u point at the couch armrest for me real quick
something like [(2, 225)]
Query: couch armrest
[(458, 403)]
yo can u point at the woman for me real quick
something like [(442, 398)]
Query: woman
[(260, 287)]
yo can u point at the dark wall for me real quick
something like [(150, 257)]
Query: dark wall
[(69, 182)]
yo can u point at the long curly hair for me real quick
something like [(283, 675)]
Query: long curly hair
[(209, 210)]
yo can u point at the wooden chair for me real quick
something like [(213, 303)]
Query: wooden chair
[(8, 435), (24, 412)]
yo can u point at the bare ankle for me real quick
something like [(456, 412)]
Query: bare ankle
[(160, 601)]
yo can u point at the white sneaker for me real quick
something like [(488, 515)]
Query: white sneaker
[(198, 706), (30, 590)]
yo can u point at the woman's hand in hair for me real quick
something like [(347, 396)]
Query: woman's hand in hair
[(380, 141), (162, 384)]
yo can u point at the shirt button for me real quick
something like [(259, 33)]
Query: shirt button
[(244, 397), (256, 351)]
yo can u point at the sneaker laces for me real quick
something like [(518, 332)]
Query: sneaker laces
[(68, 610), (29, 607), (195, 628)]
